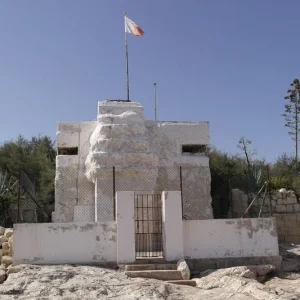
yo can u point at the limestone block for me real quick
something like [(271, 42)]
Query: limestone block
[(290, 221), (292, 239), (5, 248), (296, 207), (291, 200), (294, 231), (10, 243), (8, 232), (280, 208), (183, 267), (280, 201), (283, 231), (2, 276), (3, 239), (279, 221), (274, 203), (2, 230), (281, 238), (6, 260), (289, 208)]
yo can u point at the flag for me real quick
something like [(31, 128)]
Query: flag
[(132, 27)]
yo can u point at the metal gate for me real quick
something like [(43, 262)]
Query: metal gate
[(148, 225)]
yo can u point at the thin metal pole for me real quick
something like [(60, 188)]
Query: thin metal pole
[(269, 190), (126, 55), (155, 111), (180, 178), (19, 198), (114, 192)]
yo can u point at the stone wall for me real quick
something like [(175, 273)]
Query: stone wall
[(6, 240), (281, 204), (288, 228)]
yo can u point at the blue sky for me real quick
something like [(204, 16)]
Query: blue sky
[(226, 62)]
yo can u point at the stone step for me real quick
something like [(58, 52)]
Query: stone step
[(156, 274), (151, 260), (183, 282), (146, 267)]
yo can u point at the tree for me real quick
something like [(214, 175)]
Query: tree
[(37, 158), (291, 115), (8, 193)]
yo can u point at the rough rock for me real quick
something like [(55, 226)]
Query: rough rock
[(2, 230), (2, 276), (291, 265), (8, 232), (238, 281), (6, 260), (13, 269), (3, 239), (5, 248), (183, 267), (90, 283)]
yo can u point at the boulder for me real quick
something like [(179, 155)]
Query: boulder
[(10, 244), (8, 232), (3, 239), (2, 276), (6, 260), (13, 269), (183, 267), (261, 270), (290, 265), (5, 248), (2, 230)]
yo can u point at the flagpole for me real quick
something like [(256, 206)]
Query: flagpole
[(155, 112), (126, 55)]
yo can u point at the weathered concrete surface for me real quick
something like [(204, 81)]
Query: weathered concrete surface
[(230, 238), (48, 243), (156, 274)]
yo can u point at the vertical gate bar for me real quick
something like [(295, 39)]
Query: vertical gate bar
[(137, 236), (135, 224), (143, 226), (114, 192), (181, 195), (147, 236), (154, 225), (161, 224)]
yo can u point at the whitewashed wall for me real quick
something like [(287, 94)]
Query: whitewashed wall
[(63, 243), (230, 238), (121, 137)]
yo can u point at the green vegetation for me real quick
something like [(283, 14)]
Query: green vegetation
[(37, 158)]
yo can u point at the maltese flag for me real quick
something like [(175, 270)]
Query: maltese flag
[(132, 27)]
